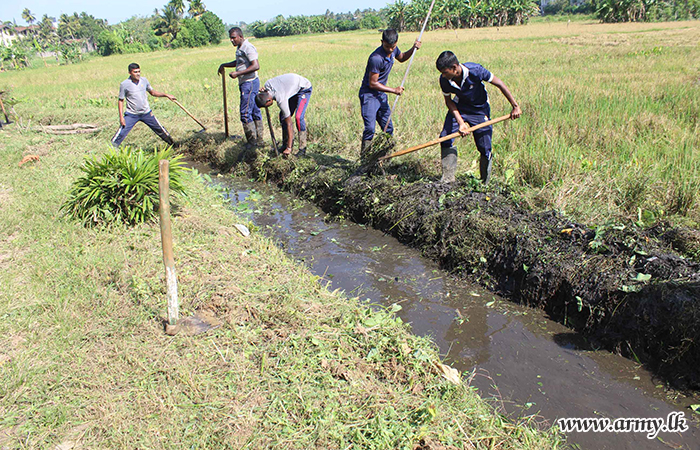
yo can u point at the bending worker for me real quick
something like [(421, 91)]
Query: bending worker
[(470, 105), (292, 93)]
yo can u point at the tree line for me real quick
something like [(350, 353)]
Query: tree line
[(169, 27), (322, 23), (610, 11)]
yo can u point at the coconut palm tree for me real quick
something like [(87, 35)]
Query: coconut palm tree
[(168, 23), (178, 6), (29, 18), (197, 8)]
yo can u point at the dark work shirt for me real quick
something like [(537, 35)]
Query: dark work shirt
[(380, 63), (469, 93)]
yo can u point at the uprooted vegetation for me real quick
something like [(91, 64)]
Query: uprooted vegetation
[(635, 290)]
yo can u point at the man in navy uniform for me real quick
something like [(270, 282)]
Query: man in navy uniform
[(374, 104), (469, 107)]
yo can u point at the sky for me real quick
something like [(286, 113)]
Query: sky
[(230, 11)]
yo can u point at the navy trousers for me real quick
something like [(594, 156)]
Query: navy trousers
[(297, 106), (132, 119), (482, 137), (249, 110), (375, 108)]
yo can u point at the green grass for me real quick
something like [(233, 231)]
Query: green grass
[(603, 105), (610, 133), (84, 360)]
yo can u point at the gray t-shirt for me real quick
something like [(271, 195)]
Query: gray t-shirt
[(135, 95), (284, 87), (245, 55)]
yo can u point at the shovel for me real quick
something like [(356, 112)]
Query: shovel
[(193, 117), (442, 139)]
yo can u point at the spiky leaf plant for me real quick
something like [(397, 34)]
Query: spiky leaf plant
[(122, 186)]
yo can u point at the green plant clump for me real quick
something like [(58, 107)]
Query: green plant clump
[(121, 187)]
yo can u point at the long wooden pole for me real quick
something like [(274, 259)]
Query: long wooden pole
[(189, 114), (444, 138), (405, 76), (167, 241), (272, 131), (223, 87)]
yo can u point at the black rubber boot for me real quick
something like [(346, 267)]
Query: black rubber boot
[(485, 164), (250, 134), (302, 143), (365, 150), (449, 164), (259, 133)]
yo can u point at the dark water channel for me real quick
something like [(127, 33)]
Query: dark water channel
[(525, 363)]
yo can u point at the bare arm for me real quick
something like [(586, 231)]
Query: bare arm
[(224, 65), (120, 106), (155, 93), (452, 107), (404, 56), (516, 112), (377, 86), (253, 67)]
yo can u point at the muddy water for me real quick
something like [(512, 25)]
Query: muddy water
[(527, 364)]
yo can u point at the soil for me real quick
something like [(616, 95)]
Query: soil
[(634, 291)]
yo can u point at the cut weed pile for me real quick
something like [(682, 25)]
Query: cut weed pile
[(84, 361), (635, 290)]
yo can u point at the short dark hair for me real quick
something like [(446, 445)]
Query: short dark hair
[(390, 36), (446, 60), (236, 30), (133, 66), (262, 98)]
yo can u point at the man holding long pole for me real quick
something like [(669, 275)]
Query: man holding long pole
[(247, 66), (374, 104), (470, 105)]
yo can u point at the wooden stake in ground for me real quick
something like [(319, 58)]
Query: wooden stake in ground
[(167, 240), (420, 36), (223, 87)]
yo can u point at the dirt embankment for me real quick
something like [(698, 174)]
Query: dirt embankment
[(635, 291)]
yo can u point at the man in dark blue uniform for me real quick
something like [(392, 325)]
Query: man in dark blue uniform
[(374, 103), (469, 107)]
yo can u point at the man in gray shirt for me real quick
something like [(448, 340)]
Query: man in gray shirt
[(133, 91), (247, 67), (292, 93)]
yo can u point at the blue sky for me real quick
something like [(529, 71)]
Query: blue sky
[(230, 11)]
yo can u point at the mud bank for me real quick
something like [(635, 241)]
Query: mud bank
[(634, 291)]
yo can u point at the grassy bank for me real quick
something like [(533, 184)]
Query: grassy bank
[(84, 360), (609, 134)]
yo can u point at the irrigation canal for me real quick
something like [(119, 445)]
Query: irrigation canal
[(525, 363)]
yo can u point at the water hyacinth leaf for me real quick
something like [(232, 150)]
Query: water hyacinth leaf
[(643, 277)]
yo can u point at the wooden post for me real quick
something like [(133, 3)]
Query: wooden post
[(223, 87), (167, 240)]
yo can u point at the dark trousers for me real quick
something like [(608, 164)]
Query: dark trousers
[(132, 119), (297, 107), (249, 110), (482, 137), (374, 107)]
